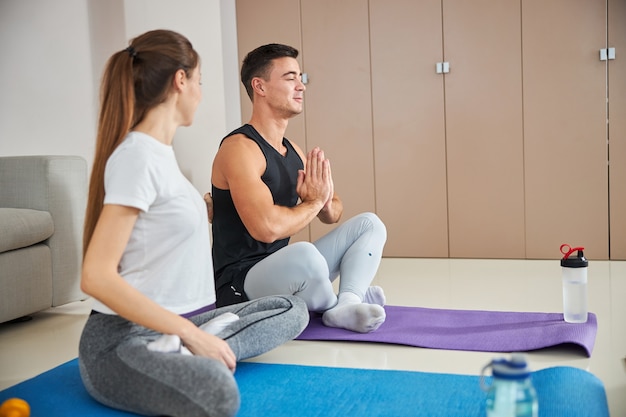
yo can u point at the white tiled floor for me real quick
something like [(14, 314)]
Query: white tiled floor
[(51, 338)]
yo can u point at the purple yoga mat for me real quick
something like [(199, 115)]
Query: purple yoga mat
[(486, 331)]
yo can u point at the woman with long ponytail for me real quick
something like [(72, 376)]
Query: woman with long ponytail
[(154, 343)]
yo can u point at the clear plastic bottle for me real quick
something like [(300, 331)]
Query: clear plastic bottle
[(574, 273), (511, 393)]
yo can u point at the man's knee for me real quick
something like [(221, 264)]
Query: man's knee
[(371, 220), (310, 261)]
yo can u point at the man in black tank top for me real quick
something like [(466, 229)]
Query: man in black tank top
[(265, 190)]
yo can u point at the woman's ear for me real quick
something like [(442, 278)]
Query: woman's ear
[(180, 79)]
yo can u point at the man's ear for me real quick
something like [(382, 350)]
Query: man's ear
[(258, 86)]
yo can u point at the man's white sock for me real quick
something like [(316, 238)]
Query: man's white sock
[(351, 314), (375, 295)]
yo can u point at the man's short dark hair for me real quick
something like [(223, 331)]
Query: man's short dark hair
[(258, 62)]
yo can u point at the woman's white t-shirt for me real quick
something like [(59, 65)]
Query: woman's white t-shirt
[(168, 256)]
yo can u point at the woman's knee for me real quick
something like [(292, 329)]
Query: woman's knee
[(227, 402), (299, 312), (295, 313), (222, 400)]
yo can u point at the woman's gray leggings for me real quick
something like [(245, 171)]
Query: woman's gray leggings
[(352, 250), (119, 371)]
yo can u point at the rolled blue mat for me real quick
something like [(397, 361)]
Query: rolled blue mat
[(270, 390), (313, 391)]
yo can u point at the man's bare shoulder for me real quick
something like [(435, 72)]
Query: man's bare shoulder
[(237, 156), (238, 146), (237, 140)]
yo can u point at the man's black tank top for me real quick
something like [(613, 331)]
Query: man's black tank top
[(235, 251)]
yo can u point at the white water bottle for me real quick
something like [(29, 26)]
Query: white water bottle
[(574, 274)]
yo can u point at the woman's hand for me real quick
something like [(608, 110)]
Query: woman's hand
[(204, 344)]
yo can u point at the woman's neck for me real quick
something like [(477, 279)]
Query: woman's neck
[(158, 123)]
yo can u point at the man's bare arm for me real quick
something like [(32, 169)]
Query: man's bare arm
[(238, 167)]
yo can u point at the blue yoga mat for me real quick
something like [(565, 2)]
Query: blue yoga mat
[(269, 390)]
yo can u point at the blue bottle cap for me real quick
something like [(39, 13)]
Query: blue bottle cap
[(515, 368)]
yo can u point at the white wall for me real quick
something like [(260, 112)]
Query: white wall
[(46, 78), (53, 54)]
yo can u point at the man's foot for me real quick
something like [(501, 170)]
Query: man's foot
[(375, 295), (351, 314)]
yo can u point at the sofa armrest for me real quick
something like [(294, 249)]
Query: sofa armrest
[(58, 185)]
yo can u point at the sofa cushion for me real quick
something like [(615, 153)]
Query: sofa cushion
[(25, 281), (20, 228)]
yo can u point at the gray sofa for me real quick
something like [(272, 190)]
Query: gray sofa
[(42, 209)]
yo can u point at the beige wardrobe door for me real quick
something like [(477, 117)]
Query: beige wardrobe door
[(483, 102), (617, 128), (278, 21), (565, 133), (409, 127), (335, 36)]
